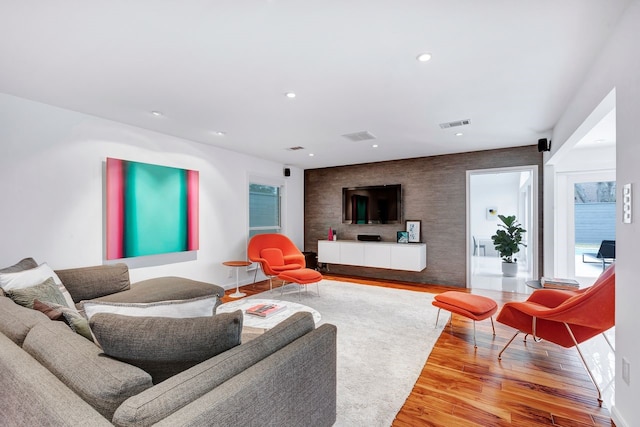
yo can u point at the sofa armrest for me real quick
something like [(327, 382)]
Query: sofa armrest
[(294, 387), (31, 395)]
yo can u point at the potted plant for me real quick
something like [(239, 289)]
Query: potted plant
[(507, 241)]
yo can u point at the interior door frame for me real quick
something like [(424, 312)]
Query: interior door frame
[(534, 231)]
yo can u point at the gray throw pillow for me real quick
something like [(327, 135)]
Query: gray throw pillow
[(22, 265), (46, 291), (165, 346)]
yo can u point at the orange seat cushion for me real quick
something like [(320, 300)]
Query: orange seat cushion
[(273, 256), (302, 276), (474, 307), (286, 267)]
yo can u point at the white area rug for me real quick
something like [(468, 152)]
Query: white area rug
[(384, 338)]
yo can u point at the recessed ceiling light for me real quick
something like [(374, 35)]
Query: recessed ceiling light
[(290, 95), (311, 154), (459, 134), (423, 57), (157, 113), (219, 133), (375, 145)]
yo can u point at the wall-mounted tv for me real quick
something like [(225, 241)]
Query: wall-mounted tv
[(378, 204)]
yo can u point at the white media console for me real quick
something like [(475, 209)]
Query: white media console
[(394, 256)]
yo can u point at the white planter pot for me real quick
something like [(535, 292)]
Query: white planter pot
[(510, 269)]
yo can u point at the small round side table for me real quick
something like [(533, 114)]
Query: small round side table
[(237, 265)]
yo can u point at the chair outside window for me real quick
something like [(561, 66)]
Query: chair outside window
[(477, 247), (606, 254)]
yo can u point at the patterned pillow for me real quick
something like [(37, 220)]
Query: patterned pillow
[(77, 323), (32, 277), (45, 291), (51, 312), (164, 346)]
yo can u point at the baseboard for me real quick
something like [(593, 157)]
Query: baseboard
[(617, 419)]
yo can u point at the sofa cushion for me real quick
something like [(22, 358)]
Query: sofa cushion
[(101, 381), (16, 321), (164, 289), (45, 291), (194, 307), (32, 277), (156, 403), (96, 281), (165, 346)]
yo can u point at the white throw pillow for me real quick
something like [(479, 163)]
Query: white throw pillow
[(195, 307), (33, 277)]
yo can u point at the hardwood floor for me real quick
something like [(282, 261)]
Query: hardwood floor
[(535, 384)]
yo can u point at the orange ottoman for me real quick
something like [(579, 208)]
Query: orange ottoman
[(474, 307), (302, 276)]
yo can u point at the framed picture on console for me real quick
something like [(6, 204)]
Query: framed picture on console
[(413, 229), (403, 237)]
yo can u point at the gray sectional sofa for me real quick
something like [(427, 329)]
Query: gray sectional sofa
[(52, 376)]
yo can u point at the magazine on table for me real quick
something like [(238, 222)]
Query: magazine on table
[(559, 283), (265, 310)]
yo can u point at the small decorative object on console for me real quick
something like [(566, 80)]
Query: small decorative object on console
[(413, 228), (556, 283), (265, 310), (402, 236)]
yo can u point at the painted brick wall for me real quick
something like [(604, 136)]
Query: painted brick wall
[(434, 191)]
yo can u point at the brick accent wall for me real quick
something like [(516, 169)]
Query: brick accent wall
[(434, 191)]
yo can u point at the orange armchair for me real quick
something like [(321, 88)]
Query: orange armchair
[(566, 318), (275, 253)]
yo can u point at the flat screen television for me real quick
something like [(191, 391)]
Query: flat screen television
[(378, 204)]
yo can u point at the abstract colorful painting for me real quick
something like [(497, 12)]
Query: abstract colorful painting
[(151, 209)]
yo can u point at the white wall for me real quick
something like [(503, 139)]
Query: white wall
[(618, 67), (499, 190), (52, 199)]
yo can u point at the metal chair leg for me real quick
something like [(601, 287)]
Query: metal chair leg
[(492, 326), (437, 317), (608, 342), (474, 335), (584, 362), (507, 345)]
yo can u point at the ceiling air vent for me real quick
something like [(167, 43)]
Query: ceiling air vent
[(455, 124), (359, 136), (295, 148)]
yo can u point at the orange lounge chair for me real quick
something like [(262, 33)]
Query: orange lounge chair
[(566, 318), (275, 253)]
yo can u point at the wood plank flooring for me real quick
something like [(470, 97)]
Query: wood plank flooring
[(535, 384)]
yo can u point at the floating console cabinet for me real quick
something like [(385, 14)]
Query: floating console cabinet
[(394, 256)]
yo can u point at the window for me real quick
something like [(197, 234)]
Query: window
[(264, 209)]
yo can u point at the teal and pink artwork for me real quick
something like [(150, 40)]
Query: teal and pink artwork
[(151, 209)]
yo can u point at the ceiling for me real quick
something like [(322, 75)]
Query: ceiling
[(510, 67)]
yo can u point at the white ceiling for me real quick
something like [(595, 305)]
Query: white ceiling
[(511, 67)]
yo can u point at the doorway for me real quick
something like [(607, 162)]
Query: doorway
[(585, 219), (494, 192)]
